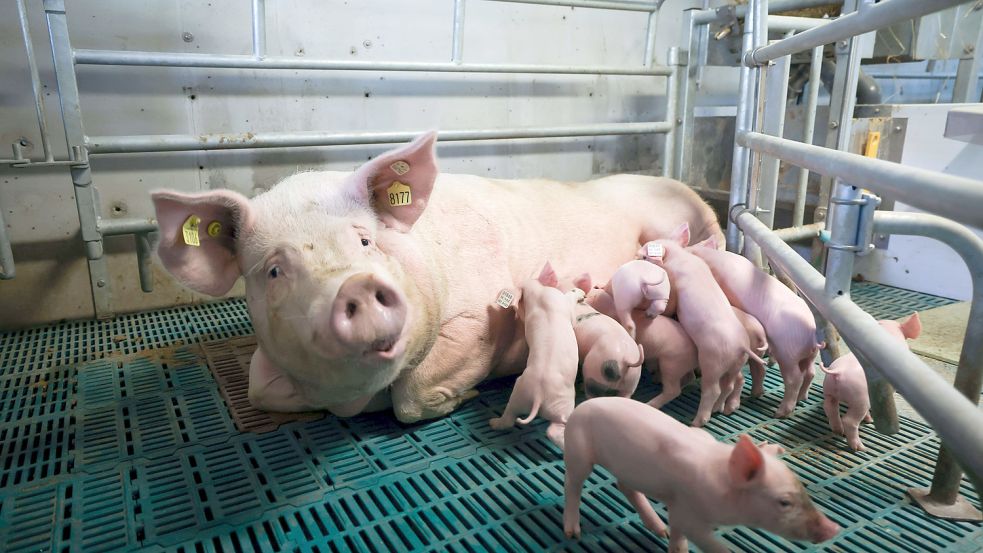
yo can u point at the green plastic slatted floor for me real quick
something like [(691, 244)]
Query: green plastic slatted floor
[(105, 448)]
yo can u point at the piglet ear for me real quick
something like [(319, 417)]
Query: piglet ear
[(583, 283), (398, 183), (746, 461), (912, 328), (198, 235), (709, 243), (681, 235), (547, 277)]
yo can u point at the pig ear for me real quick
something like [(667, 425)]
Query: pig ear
[(771, 449), (746, 461), (398, 183), (547, 277), (912, 328), (709, 243), (215, 220), (583, 283), (681, 235)]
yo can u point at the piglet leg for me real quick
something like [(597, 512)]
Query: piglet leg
[(851, 424), (734, 399), (576, 472), (832, 408), (757, 378), (671, 388), (709, 393), (648, 515), (555, 433)]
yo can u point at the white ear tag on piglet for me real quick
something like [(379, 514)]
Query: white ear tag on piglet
[(190, 231), (399, 194), (505, 298), (654, 250)]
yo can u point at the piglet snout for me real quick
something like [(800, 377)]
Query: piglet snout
[(824, 529), (368, 314)]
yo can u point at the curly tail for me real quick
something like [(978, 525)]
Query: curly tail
[(824, 369), (754, 357), (532, 413)]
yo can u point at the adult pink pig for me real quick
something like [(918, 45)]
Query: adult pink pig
[(789, 324), (704, 483), (379, 280), (546, 387), (638, 285), (846, 382)]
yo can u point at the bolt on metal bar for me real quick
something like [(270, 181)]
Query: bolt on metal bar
[(32, 64), (969, 375), (594, 4), (877, 16), (958, 421), (957, 198), (85, 194), (457, 43), (808, 133), (259, 28), (168, 59), (180, 142)]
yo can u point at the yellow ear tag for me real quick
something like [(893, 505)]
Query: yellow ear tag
[(399, 194), (190, 230), (505, 298), (214, 229)]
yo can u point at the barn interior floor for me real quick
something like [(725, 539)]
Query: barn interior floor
[(113, 436)]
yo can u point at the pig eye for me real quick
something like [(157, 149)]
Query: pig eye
[(274, 272), (785, 503), (365, 241)]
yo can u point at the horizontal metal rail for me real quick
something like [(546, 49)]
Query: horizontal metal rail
[(169, 59), (776, 23), (595, 4), (958, 421), (877, 16), (181, 142), (116, 227), (954, 197), (776, 6)]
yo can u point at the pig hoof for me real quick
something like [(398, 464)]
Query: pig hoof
[(756, 392), (572, 532), (783, 412), (858, 447), (497, 423)]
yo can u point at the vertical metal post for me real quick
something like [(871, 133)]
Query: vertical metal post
[(650, 38), (259, 28), (35, 80), (458, 39), (967, 85), (812, 101), (85, 193), (7, 269), (144, 261), (686, 91), (672, 100)]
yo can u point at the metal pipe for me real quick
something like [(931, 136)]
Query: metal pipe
[(778, 6), (145, 256), (877, 16), (775, 6), (457, 46), (772, 123), (785, 23), (595, 4), (650, 29), (32, 64), (741, 162), (943, 76), (969, 375), (672, 100), (797, 233), (958, 421), (7, 269), (686, 90), (808, 133), (967, 85), (954, 197), (116, 227), (168, 59), (182, 142), (259, 28)]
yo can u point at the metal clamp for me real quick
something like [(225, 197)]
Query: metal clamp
[(865, 228)]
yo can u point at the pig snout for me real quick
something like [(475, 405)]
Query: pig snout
[(823, 529), (368, 314)]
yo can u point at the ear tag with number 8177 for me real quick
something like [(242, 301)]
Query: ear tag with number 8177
[(399, 194)]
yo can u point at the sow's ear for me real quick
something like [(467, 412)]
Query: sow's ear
[(398, 183), (213, 220)]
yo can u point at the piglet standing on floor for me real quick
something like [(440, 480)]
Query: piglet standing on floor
[(704, 483), (546, 386), (707, 317), (638, 285), (611, 360), (786, 318), (846, 382)]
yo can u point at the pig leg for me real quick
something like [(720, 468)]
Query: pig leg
[(757, 378), (555, 433), (734, 399), (808, 373), (726, 388), (832, 408), (677, 540), (792, 377), (645, 511), (851, 424), (671, 388), (868, 418), (709, 392), (578, 468), (270, 389)]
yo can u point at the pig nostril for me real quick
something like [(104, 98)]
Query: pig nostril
[(381, 298), (350, 309)]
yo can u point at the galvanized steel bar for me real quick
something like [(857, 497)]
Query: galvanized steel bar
[(958, 421), (116, 227), (969, 375), (7, 267), (785, 24), (259, 28), (669, 144), (772, 123), (797, 233), (168, 59), (686, 91), (877, 16), (651, 27), (966, 88), (594, 4), (808, 133), (145, 256), (85, 193), (954, 197), (778, 6), (32, 65), (457, 39), (181, 142)]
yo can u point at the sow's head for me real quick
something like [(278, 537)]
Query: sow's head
[(326, 258)]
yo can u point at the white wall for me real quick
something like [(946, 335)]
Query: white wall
[(38, 205)]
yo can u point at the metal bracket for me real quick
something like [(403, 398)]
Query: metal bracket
[(865, 229)]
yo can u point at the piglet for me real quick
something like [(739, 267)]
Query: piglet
[(638, 285), (704, 483), (722, 343), (786, 318), (546, 386), (846, 382), (611, 360), (665, 343)]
